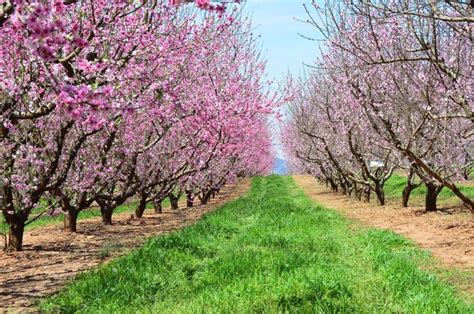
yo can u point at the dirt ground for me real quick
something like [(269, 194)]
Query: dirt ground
[(52, 256), (448, 235)]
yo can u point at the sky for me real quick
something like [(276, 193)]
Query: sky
[(276, 21), (284, 49)]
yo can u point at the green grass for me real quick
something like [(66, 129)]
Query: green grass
[(394, 187), (273, 250)]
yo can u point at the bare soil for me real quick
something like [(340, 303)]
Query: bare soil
[(51, 256), (449, 235)]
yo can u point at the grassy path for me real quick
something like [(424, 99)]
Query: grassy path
[(272, 250)]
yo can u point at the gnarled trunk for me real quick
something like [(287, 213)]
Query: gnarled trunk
[(206, 196), (174, 201), (70, 215), (432, 191), (409, 187), (350, 189), (343, 189), (366, 194), (204, 200), (406, 195), (70, 220), (189, 199), (380, 193), (357, 191), (141, 205), (16, 223), (106, 212), (157, 206), (333, 185)]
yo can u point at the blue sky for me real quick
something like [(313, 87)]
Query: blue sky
[(283, 48)]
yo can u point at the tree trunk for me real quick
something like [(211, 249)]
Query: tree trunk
[(350, 189), (343, 188), (157, 206), (206, 196), (106, 215), (357, 191), (174, 201), (406, 195), (174, 204), (141, 205), (189, 199), (70, 220), (367, 194), (380, 193), (409, 187), (15, 234), (432, 196)]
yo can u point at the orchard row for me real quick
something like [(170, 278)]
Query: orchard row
[(102, 101), (393, 89)]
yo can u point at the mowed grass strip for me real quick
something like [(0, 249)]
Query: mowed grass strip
[(270, 251)]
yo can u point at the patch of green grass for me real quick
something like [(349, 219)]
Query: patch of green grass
[(271, 251), (394, 188)]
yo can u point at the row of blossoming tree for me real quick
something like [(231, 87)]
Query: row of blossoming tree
[(393, 89), (104, 101)]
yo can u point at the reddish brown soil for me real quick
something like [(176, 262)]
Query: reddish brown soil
[(52, 256), (448, 235)]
